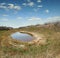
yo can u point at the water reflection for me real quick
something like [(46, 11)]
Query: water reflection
[(22, 36)]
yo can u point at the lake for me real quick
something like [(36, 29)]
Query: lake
[(22, 36)]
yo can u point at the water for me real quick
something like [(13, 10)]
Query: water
[(22, 36)]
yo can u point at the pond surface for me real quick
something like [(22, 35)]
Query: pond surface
[(22, 36)]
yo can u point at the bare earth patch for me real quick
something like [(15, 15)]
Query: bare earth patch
[(39, 39)]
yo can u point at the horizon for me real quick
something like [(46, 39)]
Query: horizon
[(22, 13)]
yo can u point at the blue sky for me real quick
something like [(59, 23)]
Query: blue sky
[(17, 13)]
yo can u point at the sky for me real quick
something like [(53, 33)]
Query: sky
[(18, 13)]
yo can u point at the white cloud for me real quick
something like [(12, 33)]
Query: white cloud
[(31, 4), (4, 19), (28, 0), (53, 19), (2, 3), (5, 15), (36, 9), (19, 17), (24, 4), (39, 6), (47, 11), (47, 20), (39, 1), (17, 7), (10, 6), (3, 7), (34, 18)]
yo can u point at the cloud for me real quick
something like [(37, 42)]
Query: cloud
[(34, 18), (31, 4), (47, 20), (2, 3), (17, 7), (24, 4), (10, 6), (47, 11), (39, 1), (4, 19), (36, 9), (5, 15), (19, 17), (53, 19), (28, 0), (39, 6), (3, 7)]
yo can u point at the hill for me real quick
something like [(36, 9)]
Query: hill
[(5, 28), (50, 48)]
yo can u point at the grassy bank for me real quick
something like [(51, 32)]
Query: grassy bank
[(51, 49)]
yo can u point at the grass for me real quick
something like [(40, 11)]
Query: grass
[(49, 50)]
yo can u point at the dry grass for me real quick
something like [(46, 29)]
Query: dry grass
[(49, 50)]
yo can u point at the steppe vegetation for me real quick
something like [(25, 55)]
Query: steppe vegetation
[(49, 49)]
